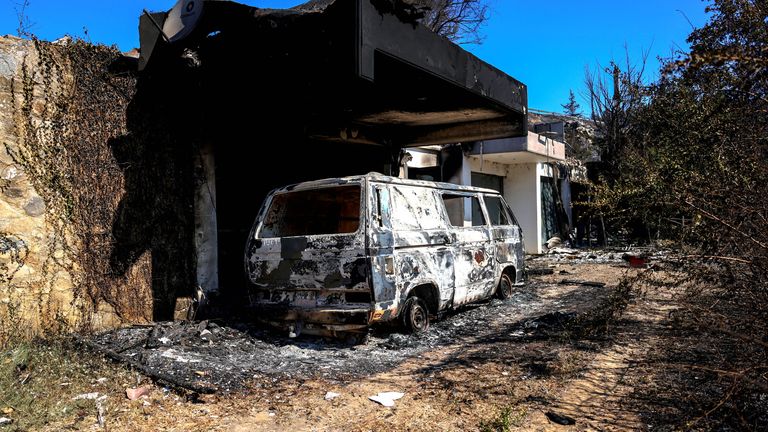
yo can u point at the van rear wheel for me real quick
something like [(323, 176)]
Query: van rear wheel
[(504, 291), (416, 315)]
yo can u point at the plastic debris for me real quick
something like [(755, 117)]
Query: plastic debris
[(135, 393), (387, 398)]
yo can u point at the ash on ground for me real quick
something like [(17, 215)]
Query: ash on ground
[(228, 356)]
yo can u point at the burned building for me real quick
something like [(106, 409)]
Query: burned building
[(144, 173), (264, 98)]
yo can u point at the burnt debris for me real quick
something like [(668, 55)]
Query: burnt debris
[(209, 356)]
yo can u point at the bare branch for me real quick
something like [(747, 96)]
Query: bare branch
[(458, 20)]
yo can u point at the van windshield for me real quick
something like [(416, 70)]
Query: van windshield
[(331, 210)]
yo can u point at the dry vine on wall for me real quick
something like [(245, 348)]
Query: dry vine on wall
[(65, 149)]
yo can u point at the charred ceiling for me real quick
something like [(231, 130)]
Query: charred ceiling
[(356, 71)]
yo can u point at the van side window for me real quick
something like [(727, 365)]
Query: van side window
[(497, 211), (454, 207), (414, 208), (477, 214), (379, 216), (332, 210)]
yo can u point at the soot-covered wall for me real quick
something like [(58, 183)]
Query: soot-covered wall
[(248, 94)]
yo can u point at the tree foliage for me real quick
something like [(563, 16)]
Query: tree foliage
[(693, 147), (695, 141), (572, 108), (578, 131), (616, 95)]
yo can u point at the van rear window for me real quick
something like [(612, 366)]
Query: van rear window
[(332, 210)]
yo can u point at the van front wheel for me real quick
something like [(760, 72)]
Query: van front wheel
[(416, 315), (504, 291)]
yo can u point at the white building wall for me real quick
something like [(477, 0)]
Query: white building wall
[(522, 191), (477, 164)]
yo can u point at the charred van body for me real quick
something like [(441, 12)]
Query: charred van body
[(334, 256)]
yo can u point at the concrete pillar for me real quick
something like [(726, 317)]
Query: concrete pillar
[(206, 237)]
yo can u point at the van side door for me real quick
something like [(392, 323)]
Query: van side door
[(506, 234), (380, 250), (474, 270), (421, 242)]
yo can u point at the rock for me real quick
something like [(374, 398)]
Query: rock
[(10, 172), (13, 192), (6, 157), (35, 206), (331, 395)]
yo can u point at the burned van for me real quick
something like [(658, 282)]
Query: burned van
[(337, 255)]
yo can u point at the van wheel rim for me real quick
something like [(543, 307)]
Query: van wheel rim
[(506, 287), (418, 317)]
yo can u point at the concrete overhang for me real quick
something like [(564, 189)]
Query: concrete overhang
[(358, 71), (520, 150)]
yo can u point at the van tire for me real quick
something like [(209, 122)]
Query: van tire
[(415, 315), (504, 291)]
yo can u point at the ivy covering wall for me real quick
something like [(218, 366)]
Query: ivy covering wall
[(95, 196)]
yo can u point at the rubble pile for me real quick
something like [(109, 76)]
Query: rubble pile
[(604, 255)]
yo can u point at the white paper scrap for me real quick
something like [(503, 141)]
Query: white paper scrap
[(387, 398)]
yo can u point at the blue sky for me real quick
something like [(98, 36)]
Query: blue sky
[(544, 44)]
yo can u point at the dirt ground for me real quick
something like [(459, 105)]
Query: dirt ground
[(549, 355)]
